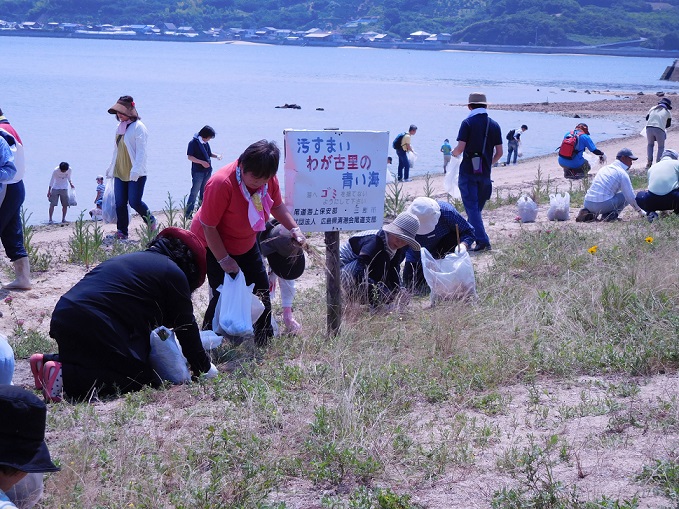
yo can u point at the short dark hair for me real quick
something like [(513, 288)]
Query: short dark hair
[(389, 159), (524, 126), (63, 166), (260, 159), (180, 254), (206, 132)]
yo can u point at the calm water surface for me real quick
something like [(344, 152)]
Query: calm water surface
[(57, 91)]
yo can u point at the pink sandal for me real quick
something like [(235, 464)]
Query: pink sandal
[(52, 381), (36, 361)]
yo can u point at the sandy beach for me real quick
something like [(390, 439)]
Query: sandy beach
[(35, 306)]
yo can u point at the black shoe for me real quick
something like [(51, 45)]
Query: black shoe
[(611, 217), (480, 247), (585, 216)]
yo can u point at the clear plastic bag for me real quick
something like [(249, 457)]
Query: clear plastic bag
[(451, 277), (108, 202), (234, 312), (528, 209), (72, 200), (166, 357), (412, 158), (559, 207), (450, 180), (6, 361)]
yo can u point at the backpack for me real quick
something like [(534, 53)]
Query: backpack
[(510, 135), (568, 148), (397, 141)]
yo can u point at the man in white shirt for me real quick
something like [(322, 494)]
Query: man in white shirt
[(611, 191), (663, 186)]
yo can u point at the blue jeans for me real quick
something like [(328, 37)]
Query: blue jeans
[(252, 265), (403, 165), (130, 192), (614, 204), (512, 147), (475, 191), (11, 232), (198, 181)]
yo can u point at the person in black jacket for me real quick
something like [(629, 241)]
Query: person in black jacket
[(103, 324), (371, 260)]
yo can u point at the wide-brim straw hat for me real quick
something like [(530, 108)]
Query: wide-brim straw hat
[(404, 227), (22, 431), (125, 107), (477, 98), (195, 246), (428, 211)]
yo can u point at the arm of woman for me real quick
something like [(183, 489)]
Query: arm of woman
[(140, 141), (282, 214), (216, 246)]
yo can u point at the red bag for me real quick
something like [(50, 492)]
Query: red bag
[(568, 147)]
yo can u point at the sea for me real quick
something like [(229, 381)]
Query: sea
[(56, 93)]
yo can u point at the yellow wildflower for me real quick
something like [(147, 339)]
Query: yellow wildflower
[(592, 250), (649, 240)]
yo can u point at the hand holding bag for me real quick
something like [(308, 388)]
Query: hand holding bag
[(166, 357), (234, 309)]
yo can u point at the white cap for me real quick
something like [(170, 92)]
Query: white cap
[(428, 211)]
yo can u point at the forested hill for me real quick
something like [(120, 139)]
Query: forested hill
[(522, 22)]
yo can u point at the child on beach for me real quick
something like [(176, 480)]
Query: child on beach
[(58, 189), (96, 213)]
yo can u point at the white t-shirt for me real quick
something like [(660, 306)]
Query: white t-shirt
[(60, 179)]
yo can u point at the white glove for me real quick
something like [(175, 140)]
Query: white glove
[(298, 235), (134, 176), (212, 373), (642, 213), (461, 248), (602, 159)]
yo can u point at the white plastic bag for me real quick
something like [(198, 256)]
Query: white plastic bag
[(210, 339), (6, 362), (528, 209), (450, 180), (108, 202), (643, 132), (166, 356), (72, 200), (451, 277), (233, 315), (412, 158), (559, 207)]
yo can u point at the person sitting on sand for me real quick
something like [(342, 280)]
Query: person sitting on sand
[(574, 164), (371, 260), (285, 257), (442, 230), (103, 324), (611, 191), (23, 452), (663, 186)]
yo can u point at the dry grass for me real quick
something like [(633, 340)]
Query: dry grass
[(558, 384)]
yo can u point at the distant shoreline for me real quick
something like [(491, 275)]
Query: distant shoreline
[(421, 46)]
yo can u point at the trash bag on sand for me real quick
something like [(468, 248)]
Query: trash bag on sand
[(528, 209), (559, 207)]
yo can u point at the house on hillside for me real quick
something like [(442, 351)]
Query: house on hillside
[(30, 25), (167, 28), (419, 36)]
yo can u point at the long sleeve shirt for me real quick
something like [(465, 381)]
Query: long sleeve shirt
[(609, 181)]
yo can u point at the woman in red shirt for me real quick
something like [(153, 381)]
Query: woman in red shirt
[(236, 205)]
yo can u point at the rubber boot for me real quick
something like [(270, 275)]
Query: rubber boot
[(292, 326), (22, 271)]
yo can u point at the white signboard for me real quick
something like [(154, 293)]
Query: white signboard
[(335, 180)]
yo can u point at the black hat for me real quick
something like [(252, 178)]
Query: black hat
[(667, 102), (285, 256), (22, 431)]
